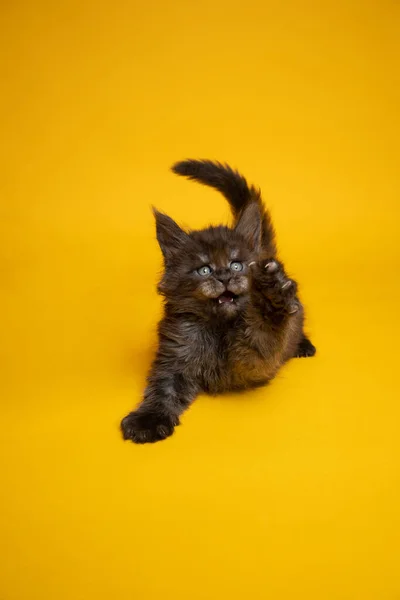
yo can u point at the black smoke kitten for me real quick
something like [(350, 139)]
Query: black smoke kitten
[(232, 317)]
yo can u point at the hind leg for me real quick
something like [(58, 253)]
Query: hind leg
[(305, 348)]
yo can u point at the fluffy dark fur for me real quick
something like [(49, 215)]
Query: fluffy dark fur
[(232, 317)]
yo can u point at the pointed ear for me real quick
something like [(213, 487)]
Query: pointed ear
[(249, 225), (170, 236)]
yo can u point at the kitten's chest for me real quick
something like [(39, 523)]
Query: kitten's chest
[(219, 360), (205, 348)]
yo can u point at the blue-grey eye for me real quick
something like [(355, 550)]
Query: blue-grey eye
[(236, 266), (205, 270)]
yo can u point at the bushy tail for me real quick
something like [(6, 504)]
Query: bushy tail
[(235, 189)]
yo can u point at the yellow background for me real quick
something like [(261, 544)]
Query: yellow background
[(285, 493)]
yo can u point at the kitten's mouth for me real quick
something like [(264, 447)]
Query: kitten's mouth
[(227, 298)]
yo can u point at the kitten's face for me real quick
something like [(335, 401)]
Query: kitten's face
[(206, 272), (211, 274)]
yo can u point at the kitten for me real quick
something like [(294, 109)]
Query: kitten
[(232, 317)]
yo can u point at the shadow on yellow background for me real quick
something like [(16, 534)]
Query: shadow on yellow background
[(283, 493)]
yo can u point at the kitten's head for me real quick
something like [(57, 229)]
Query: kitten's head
[(207, 272)]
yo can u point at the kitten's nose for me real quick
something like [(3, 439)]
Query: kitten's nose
[(224, 276)]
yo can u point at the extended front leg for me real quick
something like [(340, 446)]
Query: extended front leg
[(166, 397)]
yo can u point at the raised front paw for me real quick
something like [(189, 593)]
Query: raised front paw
[(144, 427), (277, 287)]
